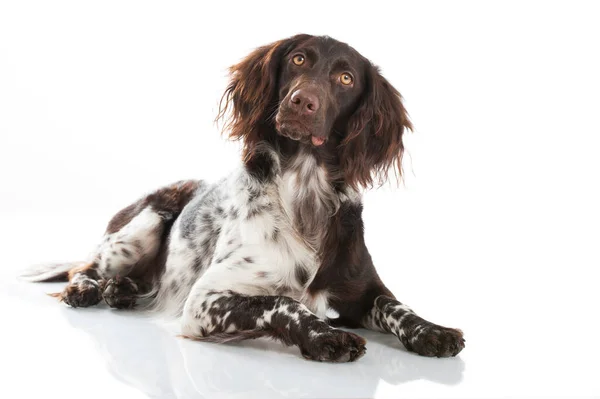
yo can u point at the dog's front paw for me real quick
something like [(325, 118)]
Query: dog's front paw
[(82, 294), (334, 346), (434, 341), (120, 293)]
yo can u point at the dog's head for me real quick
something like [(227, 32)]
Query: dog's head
[(325, 95)]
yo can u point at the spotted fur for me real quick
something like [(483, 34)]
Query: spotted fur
[(227, 316), (269, 249), (417, 334)]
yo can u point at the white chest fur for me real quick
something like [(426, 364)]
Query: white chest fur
[(307, 198)]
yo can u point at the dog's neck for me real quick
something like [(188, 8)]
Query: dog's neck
[(307, 179), (307, 195)]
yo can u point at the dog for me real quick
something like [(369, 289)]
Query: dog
[(269, 249)]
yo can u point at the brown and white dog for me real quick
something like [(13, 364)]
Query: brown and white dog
[(269, 249)]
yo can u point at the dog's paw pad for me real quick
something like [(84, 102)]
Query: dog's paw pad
[(120, 293), (435, 341), (81, 295), (334, 346)]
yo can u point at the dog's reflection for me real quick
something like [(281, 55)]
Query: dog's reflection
[(151, 358)]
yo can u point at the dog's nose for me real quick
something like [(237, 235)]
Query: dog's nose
[(304, 102)]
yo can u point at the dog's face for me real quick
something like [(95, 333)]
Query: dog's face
[(320, 83), (321, 93)]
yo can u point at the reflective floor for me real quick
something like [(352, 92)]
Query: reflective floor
[(520, 342), (148, 356)]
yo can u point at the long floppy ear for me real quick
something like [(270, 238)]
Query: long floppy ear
[(252, 92), (373, 144)]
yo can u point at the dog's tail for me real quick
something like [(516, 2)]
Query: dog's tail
[(49, 272)]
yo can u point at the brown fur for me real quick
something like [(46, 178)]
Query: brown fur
[(373, 143), (251, 93), (87, 269), (170, 200)]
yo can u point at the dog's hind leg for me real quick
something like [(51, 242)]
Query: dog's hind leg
[(127, 259), (127, 251)]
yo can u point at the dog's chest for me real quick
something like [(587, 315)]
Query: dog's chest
[(307, 198), (279, 227)]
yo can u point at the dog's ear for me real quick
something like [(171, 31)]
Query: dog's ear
[(373, 143), (252, 92)]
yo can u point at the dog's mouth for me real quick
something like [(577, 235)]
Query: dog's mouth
[(317, 141), (298, 131)]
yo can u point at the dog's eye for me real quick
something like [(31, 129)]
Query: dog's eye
[(298, 59), (346, 78)]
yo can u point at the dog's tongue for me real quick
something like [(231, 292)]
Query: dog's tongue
[(317, 141)]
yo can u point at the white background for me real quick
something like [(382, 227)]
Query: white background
[(495, 229)]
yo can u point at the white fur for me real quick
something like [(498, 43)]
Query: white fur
[(45, 271), (138, 239), (317, 303)]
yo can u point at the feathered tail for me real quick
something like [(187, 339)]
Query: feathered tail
[(49, 272)]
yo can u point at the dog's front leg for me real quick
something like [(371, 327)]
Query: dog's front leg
[(416, 334), (361, 299), (224, 316)]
